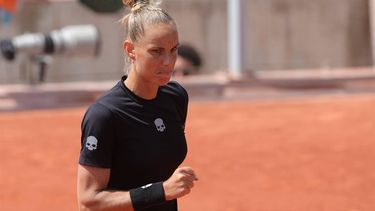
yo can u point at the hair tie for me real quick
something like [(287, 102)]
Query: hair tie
[(136, 7)]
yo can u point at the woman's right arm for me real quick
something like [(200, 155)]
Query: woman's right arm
[(92, 194)]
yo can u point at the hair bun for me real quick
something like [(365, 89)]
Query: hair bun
[(129, 3), (133, 3)]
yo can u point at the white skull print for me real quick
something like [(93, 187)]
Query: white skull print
[(91, 143), (160, 126)]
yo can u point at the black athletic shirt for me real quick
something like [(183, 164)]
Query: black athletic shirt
[(141, 141)]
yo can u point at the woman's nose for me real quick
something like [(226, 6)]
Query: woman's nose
[(169, 59)]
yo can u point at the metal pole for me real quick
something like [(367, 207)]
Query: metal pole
[(235, 37), (372, 28)]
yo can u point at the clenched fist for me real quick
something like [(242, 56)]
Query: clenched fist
[(180, 183)]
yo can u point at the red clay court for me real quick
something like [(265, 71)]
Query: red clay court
[(305, 153)]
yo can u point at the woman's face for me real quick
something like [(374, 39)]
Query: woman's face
[(155, 53)]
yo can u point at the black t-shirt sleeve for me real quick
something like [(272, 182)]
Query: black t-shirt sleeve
[(97, 140), (182, 101)]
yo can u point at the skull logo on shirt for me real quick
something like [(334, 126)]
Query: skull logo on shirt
[(160, 126), (91, 143)]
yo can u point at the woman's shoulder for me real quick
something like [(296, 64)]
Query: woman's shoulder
[(104, 103), (98, 111), (177, 92), (175, 88), (113, 97)]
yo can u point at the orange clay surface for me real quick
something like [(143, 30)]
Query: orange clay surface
[(301, 154)]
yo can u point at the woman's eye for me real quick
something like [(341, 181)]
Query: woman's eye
[(156, 51)]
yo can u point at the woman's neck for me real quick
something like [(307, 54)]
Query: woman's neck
[(140, 87)]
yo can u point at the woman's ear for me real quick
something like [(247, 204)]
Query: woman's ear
[(129, 49)]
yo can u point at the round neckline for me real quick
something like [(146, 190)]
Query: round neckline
[(132, 94)]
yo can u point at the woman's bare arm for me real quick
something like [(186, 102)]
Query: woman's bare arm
[(92, 194)]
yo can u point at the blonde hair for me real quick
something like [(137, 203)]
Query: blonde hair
[(143, 12)]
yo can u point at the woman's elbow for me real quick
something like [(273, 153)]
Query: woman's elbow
[(87, 205), (84, 208)]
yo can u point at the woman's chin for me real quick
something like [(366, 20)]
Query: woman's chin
[(164, 81), (164, 78)]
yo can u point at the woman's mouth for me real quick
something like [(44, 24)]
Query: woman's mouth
[(165, 73)]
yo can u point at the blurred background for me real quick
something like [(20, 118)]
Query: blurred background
[(226, 45), (274, 35)]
